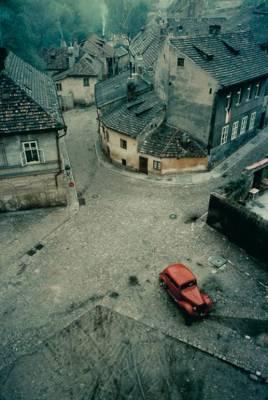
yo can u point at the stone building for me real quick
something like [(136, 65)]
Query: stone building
[(133, 132), (214, 88), (30, 125), (75, 86)]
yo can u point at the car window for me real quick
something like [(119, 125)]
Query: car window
[(188, 284), (172, 281)]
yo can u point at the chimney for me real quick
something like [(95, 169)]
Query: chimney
[(3, 56)]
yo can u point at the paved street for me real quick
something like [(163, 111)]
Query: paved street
[(111, 252)]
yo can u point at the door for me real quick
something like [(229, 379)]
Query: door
[(144, 165)]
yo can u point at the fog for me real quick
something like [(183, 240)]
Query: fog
[(26, 26)]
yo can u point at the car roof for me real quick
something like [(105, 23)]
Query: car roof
[(180, 273)]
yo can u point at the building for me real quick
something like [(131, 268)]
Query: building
[(97, 48), (75, 86), (214, 88), (59, 59), (133, 132), (31, 126)]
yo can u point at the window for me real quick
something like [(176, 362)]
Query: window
[(228, 102), (3, 156), (249, 91), (224, 134), (86, 81), (210, 91), (30, 152), (234, 130), (244, 123), (180, 62), (124, 162), (157, 165), (123, 144), (239, 96), (59, 87), (252, 121), (257, 90)]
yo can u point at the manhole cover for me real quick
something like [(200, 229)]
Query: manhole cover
[(82, 201), (173, 216), (31, 252), (217, 261)]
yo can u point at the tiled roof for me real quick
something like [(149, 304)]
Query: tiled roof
[(121, 51), (148, 44), (230, 58), (130, 118), (56, 59), (115, 88), (28, 99), (167, 142), (97, 47), (86, 66), (193, 26)]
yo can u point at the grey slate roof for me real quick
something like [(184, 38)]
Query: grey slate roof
[(28, 100), (130, 118), (56, 58), (230, 58), (167, 142), (114, 89), (97, 47), (85, 67), (148, 44)]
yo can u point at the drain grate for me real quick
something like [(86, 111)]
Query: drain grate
[(82, 201), (31, 252), (39, 246)]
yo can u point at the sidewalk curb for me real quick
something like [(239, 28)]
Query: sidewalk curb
[(181, 179)]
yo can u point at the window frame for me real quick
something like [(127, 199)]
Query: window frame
[(239, 97), (157, 165), (59, 87), (123, 144), (25, 150), (244, 124), (252, 121), (258, 89), (180, 61), (228, 101), (225, 134), (249, 92), (235, 129), (86, 82)]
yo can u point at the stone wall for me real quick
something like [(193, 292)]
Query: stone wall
[(27, 192), (239, 224)]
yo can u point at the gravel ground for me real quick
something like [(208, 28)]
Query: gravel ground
[(111, 252)]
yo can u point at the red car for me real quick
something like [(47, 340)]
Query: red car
[(181, 284)]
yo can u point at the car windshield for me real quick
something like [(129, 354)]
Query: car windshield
[(188, 284)]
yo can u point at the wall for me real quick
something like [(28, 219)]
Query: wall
[(35, 191), (191, 95), (173, 165), (74, 88), (242, 226), (245, 108), (13, 148)]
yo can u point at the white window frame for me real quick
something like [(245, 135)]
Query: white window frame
[(228, 101), (157, 165), (235, 130), (244, 123), (224, 134), (249, 92), (252, 121), (258, 87), (40, 153), (239, 96)]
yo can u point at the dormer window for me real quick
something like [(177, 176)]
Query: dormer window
[(228, 101), (257, 92), (249, 91), (239, 96)]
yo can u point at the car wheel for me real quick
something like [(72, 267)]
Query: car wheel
[(162, 284), (188, 319)]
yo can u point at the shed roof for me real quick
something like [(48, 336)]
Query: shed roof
[(230, 58), (29, 100), (130, 118)]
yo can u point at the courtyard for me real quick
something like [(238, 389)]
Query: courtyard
[(110, 253)]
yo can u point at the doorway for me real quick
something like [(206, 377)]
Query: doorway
[(144, 165)]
